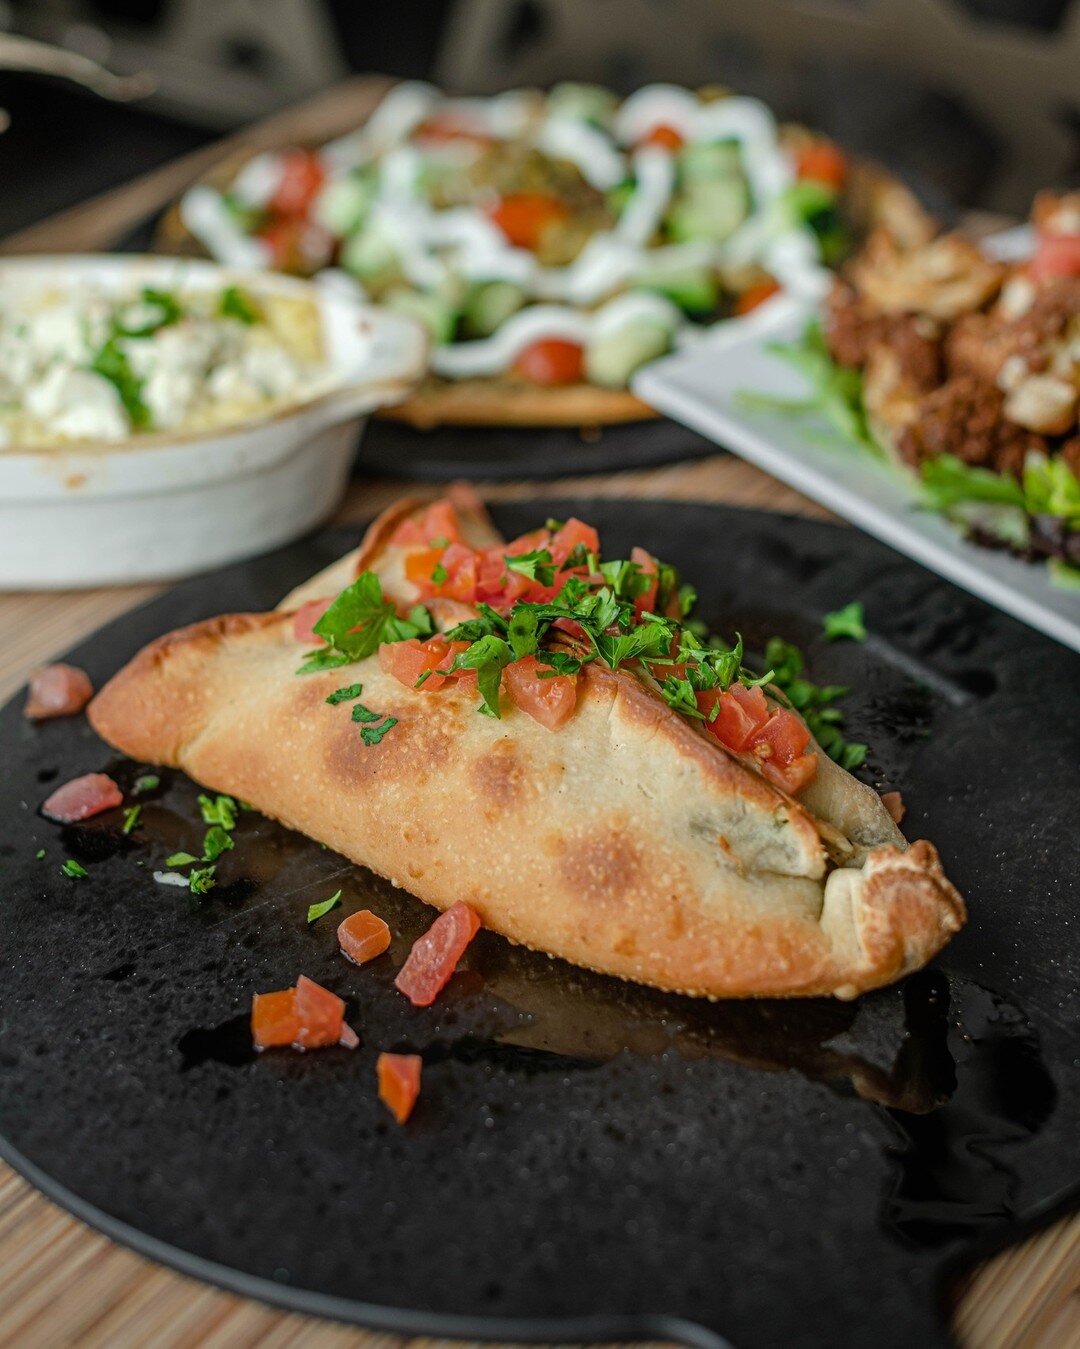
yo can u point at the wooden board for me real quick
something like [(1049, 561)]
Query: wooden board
[(61, 1284)]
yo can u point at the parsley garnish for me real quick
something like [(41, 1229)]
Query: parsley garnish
[(111, 363), (537, 566), (345, 695), (358, 622), (439, 574), (73, 869), (814, 702), (238, 304), (845, 622), (201, 879), (317, 910), (218, 810), (180, 859), (168, 312), (215, 843), (40, 854), (362, 713), (371, 735), (323, 659), (131, 819), (146, 783)]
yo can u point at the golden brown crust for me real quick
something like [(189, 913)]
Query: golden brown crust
[(629, 842), (505, 401)]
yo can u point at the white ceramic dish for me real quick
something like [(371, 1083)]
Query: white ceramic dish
[(161, 506), (701, 388)]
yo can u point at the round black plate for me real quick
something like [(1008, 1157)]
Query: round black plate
[(588, 1158)]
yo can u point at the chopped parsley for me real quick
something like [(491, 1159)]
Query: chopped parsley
[(201, 879), (814, 702), (371, 735), (845, 622), (111, 363), (439, 574), (345, 695), (218, 810), (362, 713), (537, 566), (40, 854), (131, 819), (146, 783), (215, 843), (73, 869), (238, 304), (165, 310), (317, 910), (180, 859)]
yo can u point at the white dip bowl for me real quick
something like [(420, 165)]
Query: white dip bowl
[(164, 505)]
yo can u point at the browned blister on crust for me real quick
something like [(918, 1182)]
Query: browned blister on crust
[(629, 842)]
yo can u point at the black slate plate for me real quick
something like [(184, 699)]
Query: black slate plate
[(391, 449), (589, 1159)]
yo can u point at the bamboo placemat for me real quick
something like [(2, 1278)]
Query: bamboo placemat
[(61, 1283)]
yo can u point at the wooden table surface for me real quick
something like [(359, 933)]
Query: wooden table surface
[(63, 1284)]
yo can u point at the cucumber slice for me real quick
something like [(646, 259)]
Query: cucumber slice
[(438, 317), (711, 211), (589, 102), (694, 289), (708, 161), (488, 307), (610, 360), (343, 204), (370, 256)]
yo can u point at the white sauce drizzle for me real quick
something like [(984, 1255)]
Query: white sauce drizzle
[(492, 355), (585, 146)]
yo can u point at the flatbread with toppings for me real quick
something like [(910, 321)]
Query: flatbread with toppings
[(538, 733), (552, 243)]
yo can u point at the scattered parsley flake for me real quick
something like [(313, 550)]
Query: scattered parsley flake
[(146, 783), (39, 855), (218, 810), (238, 304), (180, 859), (345, 695), (362, 713), (371, 735), (215, 843), (845, 622), (73, 869), (322, 659), (439, 574), (201, 879), (131, 819), (317, 910)]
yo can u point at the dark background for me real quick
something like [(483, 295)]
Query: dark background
[(225, 63)]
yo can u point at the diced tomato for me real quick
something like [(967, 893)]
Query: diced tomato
[(1055, 255), (793, 776), (549, 701), (462, 564), (571, 626), (306, 1017), (410, 533), (302, 175), (664, 136), (399, 1083), (420, 565), (894, 804), (822, 162), (363, 936), (550, 361), (408, 660), (756, 295), (435, 955), (57, 691), (284, 241), (524, 216), (743, 712), (274, 1020), (441, 523), (82, 798), (573, 532), (646, 601), (306, 617), (321, 1014), (782, 739)]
